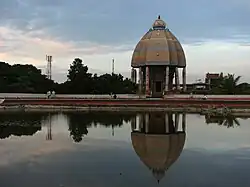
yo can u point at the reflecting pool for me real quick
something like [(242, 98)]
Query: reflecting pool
[(123, 149)]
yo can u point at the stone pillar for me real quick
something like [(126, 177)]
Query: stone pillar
[(140, 122), (133, 75), (176, 120), (147, 81), (166, 79), (184, 82), (183, 122), (140, 80), (147, 122), (166, 123), (177, 79), (133, 123)]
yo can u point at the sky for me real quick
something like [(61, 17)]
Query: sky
[(214, 33)]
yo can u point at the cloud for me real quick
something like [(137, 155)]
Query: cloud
[(119, 21), (215, 34)]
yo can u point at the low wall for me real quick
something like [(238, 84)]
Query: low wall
[(177, 102), (106, 96), (170, 104), (47, 108)]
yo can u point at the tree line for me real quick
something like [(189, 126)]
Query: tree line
[(24, 123), (28, 79), (226, 85)]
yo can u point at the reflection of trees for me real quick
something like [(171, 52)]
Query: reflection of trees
[(109, 119), (22, 118), (79, 121), (227, 121), (7, 131), (20, 123), (77, 126)]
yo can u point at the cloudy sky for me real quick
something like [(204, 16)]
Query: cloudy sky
[(214, 33)]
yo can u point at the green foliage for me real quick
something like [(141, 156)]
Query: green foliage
[(229, 84), (23, 79), (28, 79)]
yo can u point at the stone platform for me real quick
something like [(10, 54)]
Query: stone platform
[(196, 103), (131, 102)]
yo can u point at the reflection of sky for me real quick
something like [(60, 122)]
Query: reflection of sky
[(214, 137), (199, 134), (102, 160)]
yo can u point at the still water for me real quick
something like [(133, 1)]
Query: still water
[(123, 149)]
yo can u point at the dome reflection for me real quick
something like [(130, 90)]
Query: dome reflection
[(158, 140)]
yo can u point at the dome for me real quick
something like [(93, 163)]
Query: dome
[(159, 24), (158, 152), (158, 47)]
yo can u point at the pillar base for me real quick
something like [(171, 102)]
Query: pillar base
[(177, 91), (148, 94), (169, 92)]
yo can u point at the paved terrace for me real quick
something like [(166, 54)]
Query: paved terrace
[(119, 96)]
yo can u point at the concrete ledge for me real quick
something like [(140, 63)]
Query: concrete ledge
[(47, 108)]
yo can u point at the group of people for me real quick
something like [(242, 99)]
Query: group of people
[(114, 96), (51, 94)]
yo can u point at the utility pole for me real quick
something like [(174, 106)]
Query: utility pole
[(113, 66), (49, 64)]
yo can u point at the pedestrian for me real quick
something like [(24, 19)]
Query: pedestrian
[(48, 94), (53, 94)]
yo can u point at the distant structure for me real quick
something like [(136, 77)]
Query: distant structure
[(113, 66), (49, 64), (212, 79), (159, 55), (158, 141)]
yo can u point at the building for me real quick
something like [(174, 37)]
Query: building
[(213, 79), (158, 140), (158, 56)]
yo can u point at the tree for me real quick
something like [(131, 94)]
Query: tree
[(230, 84), (79, 80), (23, 78), (77, 69)]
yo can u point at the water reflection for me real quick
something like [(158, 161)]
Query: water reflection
[(227, 121), (25, 123), (19, 124), (158, 141), (156, 138), (79, 122)]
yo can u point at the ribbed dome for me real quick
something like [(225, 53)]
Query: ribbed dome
[(158, 47), (158, 152)]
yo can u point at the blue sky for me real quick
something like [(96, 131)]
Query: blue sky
[(214, 34)]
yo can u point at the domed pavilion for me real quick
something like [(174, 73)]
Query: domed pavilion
[(158, 56), (157, 140)]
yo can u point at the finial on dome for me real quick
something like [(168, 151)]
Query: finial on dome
[(159, 23)]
